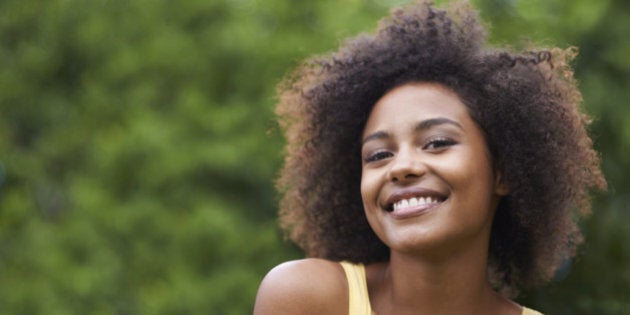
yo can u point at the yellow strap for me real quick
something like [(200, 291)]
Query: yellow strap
[(359, 300)]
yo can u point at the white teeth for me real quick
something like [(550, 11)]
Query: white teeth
[(404, 203), (412, 202)]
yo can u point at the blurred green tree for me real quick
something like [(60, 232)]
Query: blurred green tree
[(138, 147)]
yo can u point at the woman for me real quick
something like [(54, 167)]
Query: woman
[(428, 174)]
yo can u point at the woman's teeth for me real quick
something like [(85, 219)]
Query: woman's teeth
[(413, 202)]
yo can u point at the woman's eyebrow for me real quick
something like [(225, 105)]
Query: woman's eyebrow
[(375, 136), (427, 124)]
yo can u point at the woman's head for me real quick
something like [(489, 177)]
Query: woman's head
[(428, 183), (526, 104)]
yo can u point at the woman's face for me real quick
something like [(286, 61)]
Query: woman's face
[(427, 181)]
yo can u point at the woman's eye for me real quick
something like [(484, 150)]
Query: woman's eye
[(438, 143), (380, 155)]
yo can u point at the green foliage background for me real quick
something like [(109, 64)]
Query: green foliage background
[(138, 146)]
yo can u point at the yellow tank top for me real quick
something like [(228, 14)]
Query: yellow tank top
[(358, 297)]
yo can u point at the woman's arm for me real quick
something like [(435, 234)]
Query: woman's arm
[(308, 286)]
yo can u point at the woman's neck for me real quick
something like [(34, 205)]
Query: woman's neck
[(414, 284)]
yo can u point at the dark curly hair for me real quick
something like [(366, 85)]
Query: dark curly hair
[(525, 102)]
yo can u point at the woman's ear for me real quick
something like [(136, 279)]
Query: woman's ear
[(501, 188)]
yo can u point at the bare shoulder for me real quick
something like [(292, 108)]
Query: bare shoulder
[(307, 286)]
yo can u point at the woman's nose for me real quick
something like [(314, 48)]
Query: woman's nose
[(407, 164)]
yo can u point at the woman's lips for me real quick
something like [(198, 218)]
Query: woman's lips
[(412, 201), (403, 212)]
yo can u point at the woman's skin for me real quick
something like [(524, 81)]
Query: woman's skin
[(429, 191)]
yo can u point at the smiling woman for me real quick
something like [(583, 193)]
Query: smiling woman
[(428, 185), (428, 174)]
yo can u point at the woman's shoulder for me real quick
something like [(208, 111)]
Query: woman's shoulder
[(306, 286), (529, 311)]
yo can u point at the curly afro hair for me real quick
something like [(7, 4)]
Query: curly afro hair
[(527, 103)]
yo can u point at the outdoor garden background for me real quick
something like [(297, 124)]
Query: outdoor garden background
[(138, 146)]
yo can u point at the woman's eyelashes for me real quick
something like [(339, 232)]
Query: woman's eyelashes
[(438, 143), (377, 156)]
